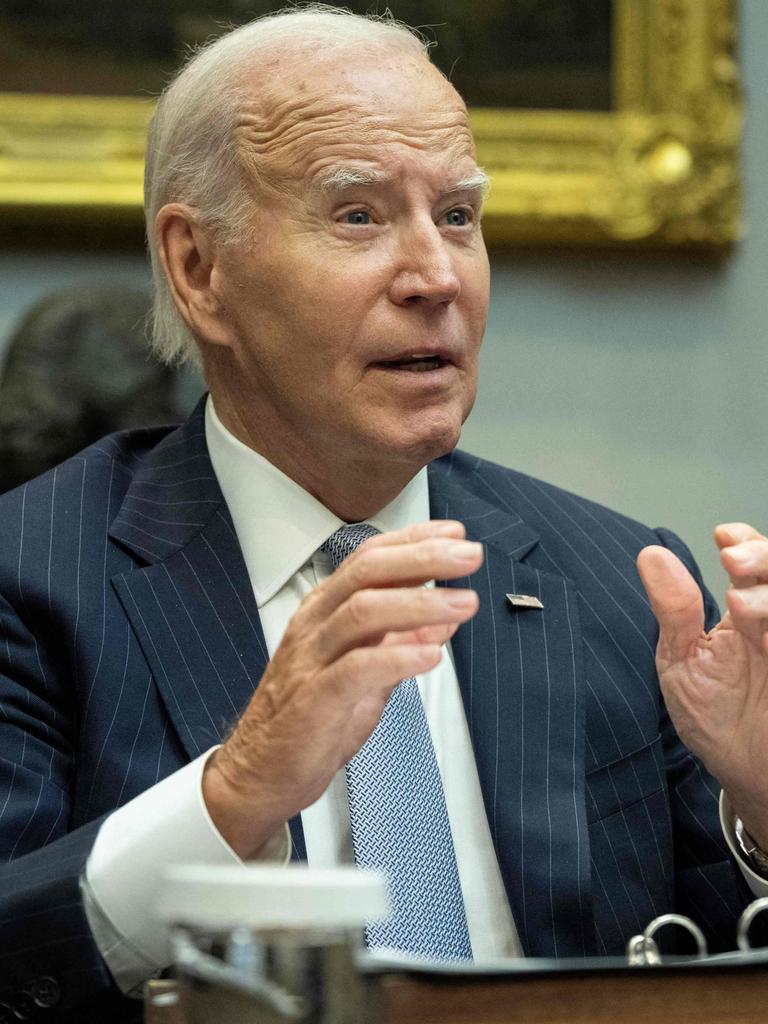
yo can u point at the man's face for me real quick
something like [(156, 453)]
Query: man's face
[(355, 314)]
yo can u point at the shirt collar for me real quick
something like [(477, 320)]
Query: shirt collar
[(280, 525)]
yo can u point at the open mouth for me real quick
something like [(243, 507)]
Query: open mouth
[(414, 364)]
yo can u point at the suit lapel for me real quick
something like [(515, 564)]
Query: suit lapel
[(522, 685), (192, 607)]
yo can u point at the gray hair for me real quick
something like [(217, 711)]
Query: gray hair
[(191, 157)]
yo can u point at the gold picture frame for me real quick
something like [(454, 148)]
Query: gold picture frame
[(660, 168)]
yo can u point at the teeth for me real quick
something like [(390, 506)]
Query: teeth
[(423, 367), (416, 364)]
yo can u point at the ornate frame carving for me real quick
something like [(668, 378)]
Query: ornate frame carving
[(661, 168)]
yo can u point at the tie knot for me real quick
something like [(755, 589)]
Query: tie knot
[(345, 540)]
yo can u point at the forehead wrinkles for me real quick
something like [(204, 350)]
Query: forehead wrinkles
[(295, 133)]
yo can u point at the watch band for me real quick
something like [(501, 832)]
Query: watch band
[(755, 857)]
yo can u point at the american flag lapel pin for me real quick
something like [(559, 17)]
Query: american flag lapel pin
[(523, 601)]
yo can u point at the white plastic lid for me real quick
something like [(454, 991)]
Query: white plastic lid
[(291, 897)]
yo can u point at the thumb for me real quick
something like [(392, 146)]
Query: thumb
[(675, 599)]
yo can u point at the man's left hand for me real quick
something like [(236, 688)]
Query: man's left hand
[(716, 684)]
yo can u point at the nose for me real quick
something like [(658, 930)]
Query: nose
[(425, 272)]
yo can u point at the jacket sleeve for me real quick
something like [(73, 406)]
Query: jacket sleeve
[(49, 963)]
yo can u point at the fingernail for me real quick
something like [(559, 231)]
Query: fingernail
[(465, 551), (459, 599)]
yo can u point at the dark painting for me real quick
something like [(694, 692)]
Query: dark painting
[(551, 54)]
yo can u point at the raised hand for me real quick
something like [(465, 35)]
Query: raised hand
[(353, 639), (716, 684)]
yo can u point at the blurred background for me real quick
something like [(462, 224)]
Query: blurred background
[(524, 53), (638, 379)]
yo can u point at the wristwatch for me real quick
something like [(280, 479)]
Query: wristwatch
[(755, 857)]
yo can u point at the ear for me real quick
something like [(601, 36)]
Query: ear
[(188, 256)]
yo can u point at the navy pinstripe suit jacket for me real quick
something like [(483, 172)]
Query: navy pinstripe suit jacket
[(130, 642)]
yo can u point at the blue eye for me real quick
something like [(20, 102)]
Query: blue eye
[(457, 218), (357, 217)]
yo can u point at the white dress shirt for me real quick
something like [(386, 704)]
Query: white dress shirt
[(280, 528)]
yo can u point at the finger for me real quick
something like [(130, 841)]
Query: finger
[(424, 635), (736, 556), (373, 672), (368, 615), (418, 531), (401, 565), (746, 562), (748, 610), (727, 534), (675, 599), (361, 682), (365, 715)]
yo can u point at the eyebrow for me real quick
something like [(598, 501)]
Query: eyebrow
[(338, 179), (478, 181)]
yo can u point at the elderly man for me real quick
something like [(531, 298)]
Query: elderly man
[(255, 578)]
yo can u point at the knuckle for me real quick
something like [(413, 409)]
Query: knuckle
[(359, 568), (359, 607), (309, 601), (354, 667), (334, 685), (416, 533), (267, 701), (295, 638), (424, 554)]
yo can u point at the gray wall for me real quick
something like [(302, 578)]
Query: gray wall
[(639, 382)]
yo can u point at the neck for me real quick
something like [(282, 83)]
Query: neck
[(354, 488)]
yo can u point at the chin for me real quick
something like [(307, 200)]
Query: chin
[(422, 446)]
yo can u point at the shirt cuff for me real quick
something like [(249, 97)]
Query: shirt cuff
[(167, 824), (756, 883)]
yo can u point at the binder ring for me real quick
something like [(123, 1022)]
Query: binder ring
[(745, 922), (685, 922)]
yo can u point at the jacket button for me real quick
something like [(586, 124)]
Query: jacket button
[(45, 992)]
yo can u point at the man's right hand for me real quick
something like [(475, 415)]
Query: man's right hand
[(370, 625)]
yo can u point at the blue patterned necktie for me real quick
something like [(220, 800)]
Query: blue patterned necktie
[(399, 819)]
